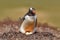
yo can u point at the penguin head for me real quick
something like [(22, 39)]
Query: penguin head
[(32, 10)]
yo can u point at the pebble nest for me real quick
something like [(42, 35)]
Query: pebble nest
[(9, 31), (35, 36)]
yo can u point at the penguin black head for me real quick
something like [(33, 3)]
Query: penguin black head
[(32, 10)]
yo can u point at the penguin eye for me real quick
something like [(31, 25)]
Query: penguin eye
[(32, 8)]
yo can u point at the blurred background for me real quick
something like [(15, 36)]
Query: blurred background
[(47, 10)]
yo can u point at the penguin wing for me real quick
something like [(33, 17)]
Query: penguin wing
[(35, 21), (24, 16)]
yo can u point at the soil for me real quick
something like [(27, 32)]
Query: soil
[(9, 30)]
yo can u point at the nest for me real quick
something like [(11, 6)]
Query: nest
[(9, 30)]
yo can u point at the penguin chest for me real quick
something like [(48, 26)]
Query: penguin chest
[(30, 21), (29, 27), (30, 18)]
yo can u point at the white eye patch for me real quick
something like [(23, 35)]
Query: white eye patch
[(31, 9)]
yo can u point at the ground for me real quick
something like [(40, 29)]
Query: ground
[(9, 30)]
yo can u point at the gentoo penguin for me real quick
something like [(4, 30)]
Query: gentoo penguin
[(29, 23)]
